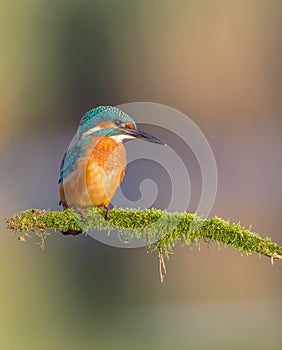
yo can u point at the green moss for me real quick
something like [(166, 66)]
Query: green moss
[(167, 229)]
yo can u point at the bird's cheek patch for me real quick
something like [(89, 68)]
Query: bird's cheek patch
[(129, 126)]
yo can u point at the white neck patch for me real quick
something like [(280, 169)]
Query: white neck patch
[(90, 131)]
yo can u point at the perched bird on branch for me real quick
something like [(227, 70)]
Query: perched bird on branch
[(93, 167)]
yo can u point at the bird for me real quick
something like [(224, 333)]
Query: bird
[(93, 167)]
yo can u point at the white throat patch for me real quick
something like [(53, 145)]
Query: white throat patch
[(120, 138)]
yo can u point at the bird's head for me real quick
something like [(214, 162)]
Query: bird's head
[(112, 122)]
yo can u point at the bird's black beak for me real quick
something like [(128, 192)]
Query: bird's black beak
[(143, 135)]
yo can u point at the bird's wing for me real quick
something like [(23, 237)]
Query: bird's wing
[(68, 164)]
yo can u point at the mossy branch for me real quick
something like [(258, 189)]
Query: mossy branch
[(161, 227)]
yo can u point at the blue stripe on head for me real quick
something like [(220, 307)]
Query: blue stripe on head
[(101, 114)]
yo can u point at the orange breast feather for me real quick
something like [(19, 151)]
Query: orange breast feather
[(98, 175)]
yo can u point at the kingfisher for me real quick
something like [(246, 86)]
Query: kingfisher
[(93, 167)]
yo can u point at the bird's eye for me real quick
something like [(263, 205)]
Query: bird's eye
[(120, 124), (117, 122)]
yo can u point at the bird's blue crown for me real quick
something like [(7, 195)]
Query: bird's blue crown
[(100, 114)]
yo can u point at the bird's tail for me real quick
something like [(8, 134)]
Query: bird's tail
[(71, 232)]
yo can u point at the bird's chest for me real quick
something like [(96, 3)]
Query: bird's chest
[(105, 162), (104, 171), (98, 173)]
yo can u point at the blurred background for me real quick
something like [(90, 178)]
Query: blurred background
[(219, 62)]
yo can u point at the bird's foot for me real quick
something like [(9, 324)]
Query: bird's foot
[(80, 211), (108, 212)]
